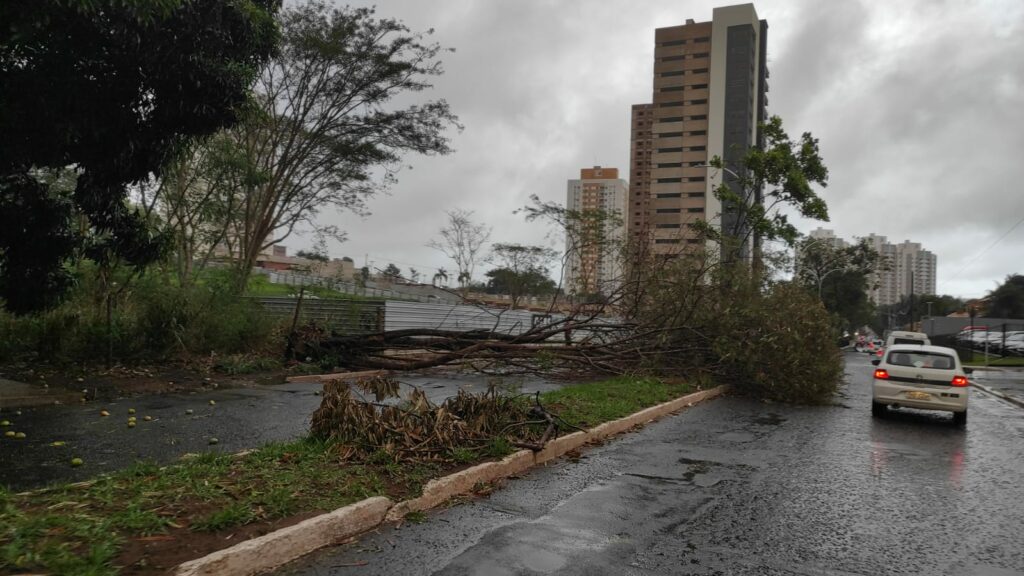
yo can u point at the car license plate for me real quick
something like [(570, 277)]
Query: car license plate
[(919, 396)]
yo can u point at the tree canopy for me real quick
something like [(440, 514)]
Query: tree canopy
[(110, 89), (1007, 301)]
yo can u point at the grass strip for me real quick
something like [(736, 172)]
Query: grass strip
[(978, 360), (93, 528)]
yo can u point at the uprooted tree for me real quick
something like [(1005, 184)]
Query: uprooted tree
[(697, 312)]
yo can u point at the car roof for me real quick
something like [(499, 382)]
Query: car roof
[(906, 334), (919, 348)]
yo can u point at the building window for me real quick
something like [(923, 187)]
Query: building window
[(699, 87), (699, 117), (699, 101), (666, 241), (695, 195), (666, 150), (695, 179), (669, 180), (670, 104), (673, 73), (697, 133), (695, 210), (702, 39), (666, 226), (672, 89), (702, 55), (697, 148), (692, 241), (671, 165), (668, 210), (672, 119), (670, 195), (674, 43), (670, 135)]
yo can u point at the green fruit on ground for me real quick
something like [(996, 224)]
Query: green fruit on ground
[(9, 433), (212, 402), (131, 423), (214, 441), (104, 413), (19, 435), (189, 411), (147, 418), (57, 443), (76, 462), (5, 423), (131, 410)]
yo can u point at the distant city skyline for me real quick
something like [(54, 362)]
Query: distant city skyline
[(916, 106)]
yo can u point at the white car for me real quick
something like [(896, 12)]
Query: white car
[(922, 377)]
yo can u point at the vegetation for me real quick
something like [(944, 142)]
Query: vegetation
[(1007, 300), (841, 277), (112, 89), (83, 528), (462, 239)]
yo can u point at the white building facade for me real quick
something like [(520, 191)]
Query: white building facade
[(594, 239)]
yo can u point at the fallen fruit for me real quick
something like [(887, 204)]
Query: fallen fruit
[(214, 441), (19, 435), (212, 402), (131, 410), (76, 462), (9, 433), (57, 443), (17, 412), (104, 413), (131, 423), (147, 418), (189, 411), (5, 423)]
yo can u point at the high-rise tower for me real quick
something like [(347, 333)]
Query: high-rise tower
[(709, 97)]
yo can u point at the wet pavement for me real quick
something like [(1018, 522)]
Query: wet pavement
[(1006, 381), (739, 487), (239, 418)]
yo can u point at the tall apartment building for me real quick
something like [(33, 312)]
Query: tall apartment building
[(708, 99), (593, 265), (911, 268)]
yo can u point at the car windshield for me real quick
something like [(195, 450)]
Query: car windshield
[(907, 341), (922, 359)]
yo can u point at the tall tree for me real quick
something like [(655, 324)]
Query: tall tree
[(462, 240), (111, 88), (1007, 301), (779, 174), (327, 130), (521, 270)]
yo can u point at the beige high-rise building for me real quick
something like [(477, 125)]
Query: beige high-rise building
[(593, 265), (708, 98), (910, 268)]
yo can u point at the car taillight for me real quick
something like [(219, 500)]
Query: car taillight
[(881, 374), (960, 381)]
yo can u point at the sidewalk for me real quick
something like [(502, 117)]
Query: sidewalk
[(1003, 382)]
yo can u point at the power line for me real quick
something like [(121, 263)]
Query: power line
[(983, 252)]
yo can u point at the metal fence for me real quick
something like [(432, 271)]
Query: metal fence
[(416, 293), (985, 340), (336, 315), (462, 318)]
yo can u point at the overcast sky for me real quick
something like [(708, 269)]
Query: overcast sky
[(919, 107)]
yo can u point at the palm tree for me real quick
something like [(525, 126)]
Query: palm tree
[(441, 275)]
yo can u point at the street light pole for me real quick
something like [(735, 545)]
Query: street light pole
[(821, 279)]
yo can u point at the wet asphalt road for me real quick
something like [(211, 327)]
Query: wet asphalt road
[(735, 486), (240, 418)]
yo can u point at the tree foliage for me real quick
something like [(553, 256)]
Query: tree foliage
[(779, 174), (111, 89), (462, 240), (520, 270), (841, 277), (1007, 300)]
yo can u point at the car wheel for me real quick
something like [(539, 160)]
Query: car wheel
[(960, 418), (877, 409)]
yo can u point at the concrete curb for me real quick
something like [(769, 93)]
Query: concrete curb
[(999, 394), (282, 546)]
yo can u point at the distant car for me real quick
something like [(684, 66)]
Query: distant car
[(922, 377), (904, 337)]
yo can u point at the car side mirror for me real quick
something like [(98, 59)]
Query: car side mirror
[(968, 371), (876, 361)]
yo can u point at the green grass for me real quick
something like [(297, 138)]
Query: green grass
[(79, 529), (586, 405)]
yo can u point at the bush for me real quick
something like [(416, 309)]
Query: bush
[(780, 345), (151, 319)]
